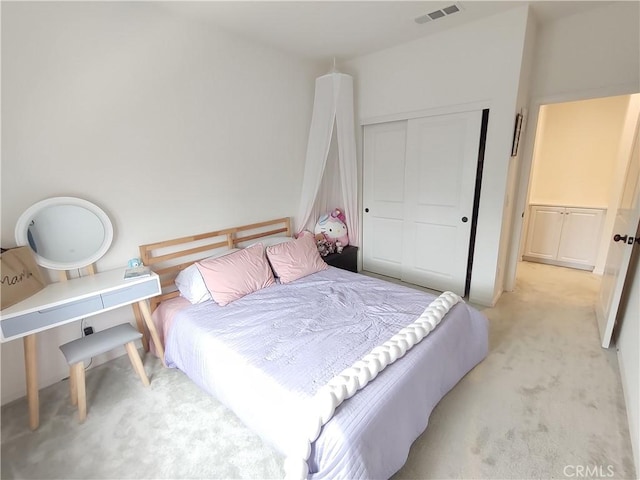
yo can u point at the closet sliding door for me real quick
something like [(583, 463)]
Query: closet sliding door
[(383, 194), (441, 164), (433, 193)]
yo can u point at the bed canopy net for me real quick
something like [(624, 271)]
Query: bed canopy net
[(330, 179)]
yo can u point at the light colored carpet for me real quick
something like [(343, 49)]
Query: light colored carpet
[(546, 400)]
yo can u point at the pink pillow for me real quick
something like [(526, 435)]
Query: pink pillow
[(297, 259), (235, 275)]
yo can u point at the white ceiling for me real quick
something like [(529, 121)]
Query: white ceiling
[(321, 30)]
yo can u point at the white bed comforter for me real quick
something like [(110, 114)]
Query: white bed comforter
[(266, 355)]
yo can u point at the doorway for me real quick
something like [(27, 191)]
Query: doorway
[(626, 133), (574, 185)]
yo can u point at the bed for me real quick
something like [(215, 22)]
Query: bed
[(268, 354)]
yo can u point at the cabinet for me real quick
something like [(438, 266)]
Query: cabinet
[(566, 236)]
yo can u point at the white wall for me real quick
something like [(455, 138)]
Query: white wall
[(171, 127), (589, 52), (477, 64), (515, 162), (577, 152)]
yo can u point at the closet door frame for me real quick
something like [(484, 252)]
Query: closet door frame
[(394, 117), (481, 107)]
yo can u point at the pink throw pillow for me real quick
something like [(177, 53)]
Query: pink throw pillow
[(235, 275), (297, 259)]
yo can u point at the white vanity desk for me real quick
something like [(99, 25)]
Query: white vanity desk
[(64, 302)]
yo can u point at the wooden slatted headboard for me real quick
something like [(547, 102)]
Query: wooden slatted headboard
[(169, 257)]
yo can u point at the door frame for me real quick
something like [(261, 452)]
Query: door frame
[(484, 127), (430, 112)]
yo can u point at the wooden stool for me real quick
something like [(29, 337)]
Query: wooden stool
[(100, 342)]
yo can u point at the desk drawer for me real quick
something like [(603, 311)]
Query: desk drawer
[(42, 318), (131, 293)]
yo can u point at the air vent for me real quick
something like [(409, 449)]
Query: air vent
[(451, 9), (437, 14)]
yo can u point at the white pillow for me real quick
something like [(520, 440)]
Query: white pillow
[(269, 241), (191, 284)]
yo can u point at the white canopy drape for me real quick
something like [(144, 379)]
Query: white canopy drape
[(330, 174)]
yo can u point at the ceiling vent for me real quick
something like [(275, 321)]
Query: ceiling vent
[(437, 14)]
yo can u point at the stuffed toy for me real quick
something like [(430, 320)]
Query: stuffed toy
[(337, 213), (324, 247), (333, 228)]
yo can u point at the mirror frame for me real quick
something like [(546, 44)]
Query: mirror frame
[(25, 219)]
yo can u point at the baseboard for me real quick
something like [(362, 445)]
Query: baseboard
[(483, 302), (496, 298), (557, 263)]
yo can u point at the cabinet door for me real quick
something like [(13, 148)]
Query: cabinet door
[(545, 227), (580, 236)]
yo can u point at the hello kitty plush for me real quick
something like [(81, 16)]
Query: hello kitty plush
[(333, 229), (337, 213)]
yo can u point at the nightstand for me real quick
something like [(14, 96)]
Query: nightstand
[(347, 260)]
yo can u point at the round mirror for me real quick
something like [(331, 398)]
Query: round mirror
[(65, 232)]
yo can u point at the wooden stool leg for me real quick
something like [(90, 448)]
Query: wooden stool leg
[(73, 386), (82, 394), (136, 362), (140, 322), (31, 367), (146, 315)]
